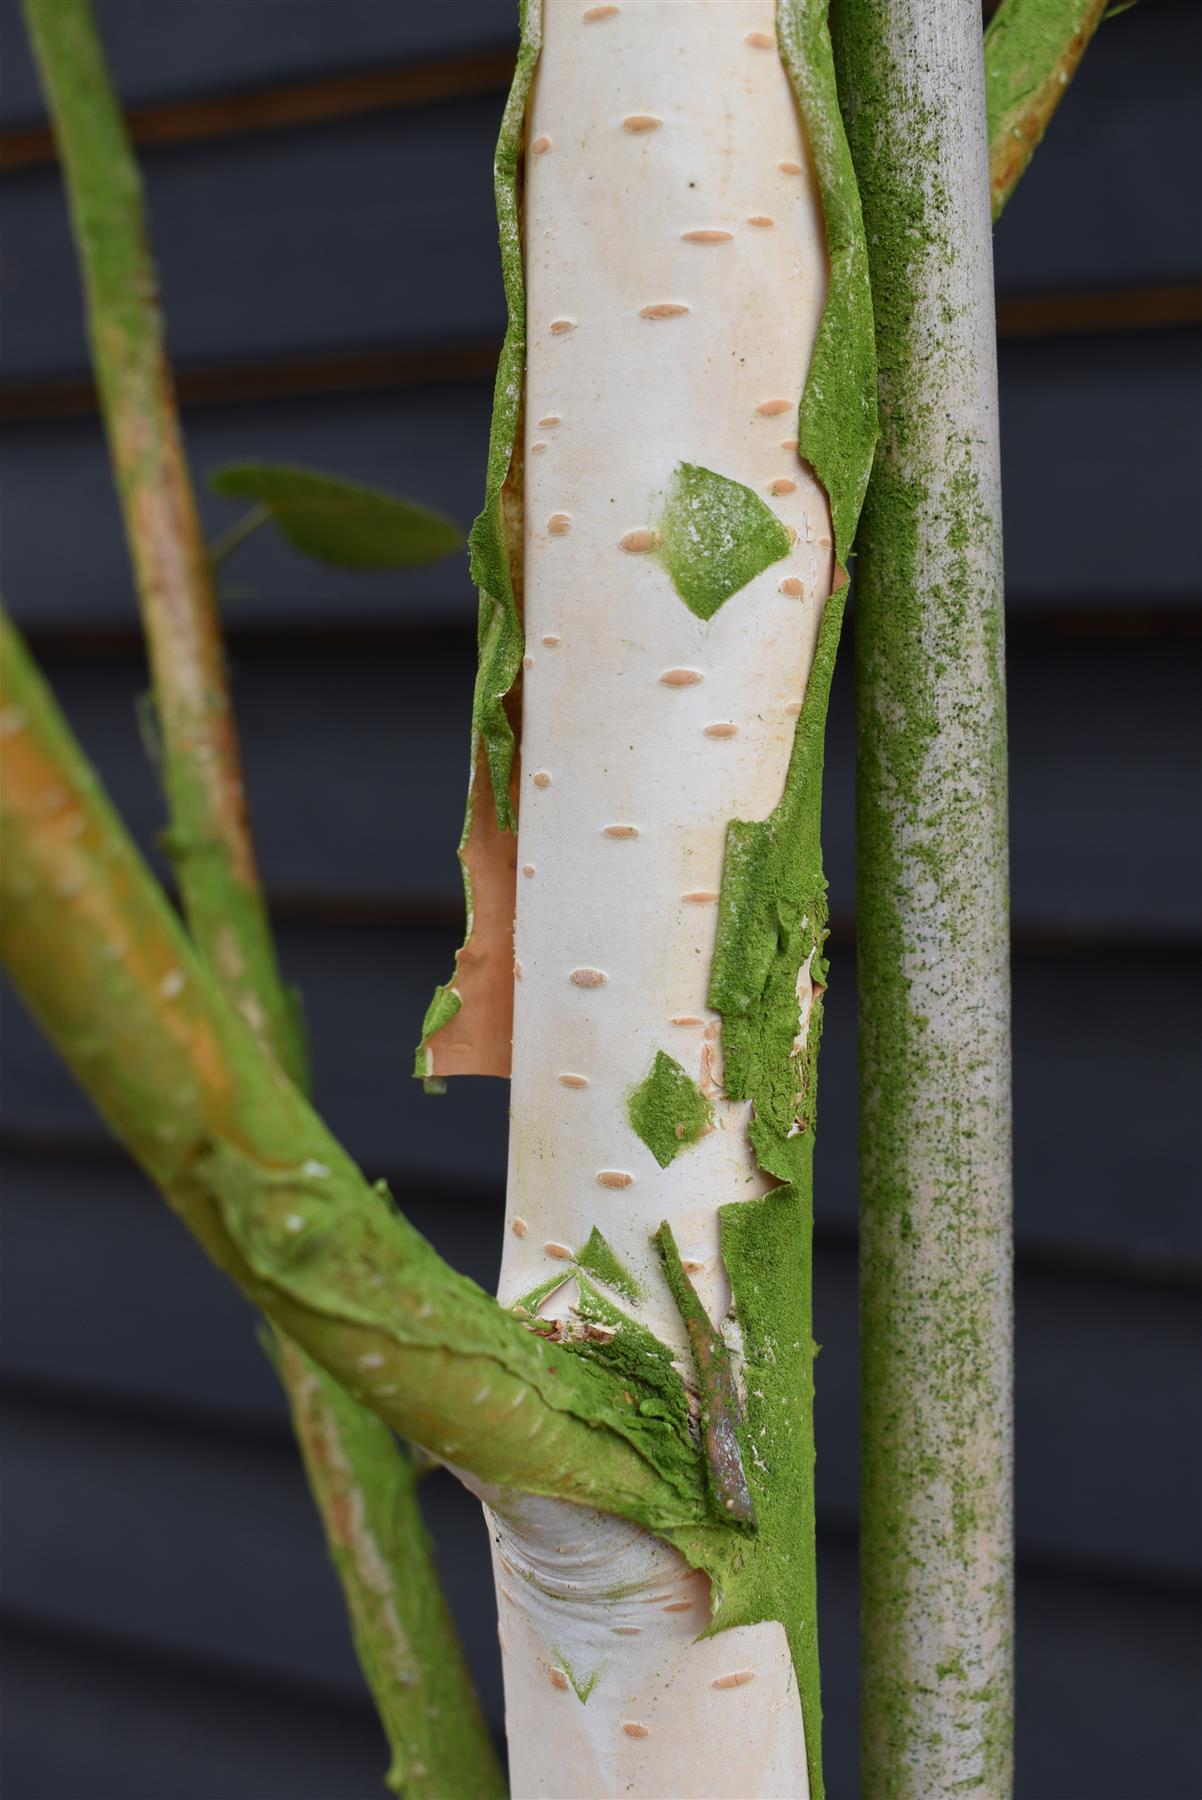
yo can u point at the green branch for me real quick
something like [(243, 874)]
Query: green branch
[(1032, 48), (210, 839), (103, 964), (362, 1475), (404, 1634)]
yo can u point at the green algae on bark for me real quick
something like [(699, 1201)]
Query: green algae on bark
[(769, 974), (668, 1109), (932, 926), (716, 536), (601, 1260), (767, 981)]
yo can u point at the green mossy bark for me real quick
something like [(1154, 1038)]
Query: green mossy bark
[(668, 1110), (932, 929), (601, 1260), (772, 923)]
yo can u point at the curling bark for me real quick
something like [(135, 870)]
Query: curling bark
[(933, 924)]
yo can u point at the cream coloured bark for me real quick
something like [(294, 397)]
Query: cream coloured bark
[(676, 274)]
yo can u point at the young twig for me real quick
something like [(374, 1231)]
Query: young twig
[(105, 967), (211, 848), (1032, 48)]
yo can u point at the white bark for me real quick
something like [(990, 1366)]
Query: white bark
[(645, 729)]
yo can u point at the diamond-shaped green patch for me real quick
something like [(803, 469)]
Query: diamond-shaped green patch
[(717, 536), (668, 1110)]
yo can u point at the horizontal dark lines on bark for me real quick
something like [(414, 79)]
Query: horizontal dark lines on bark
[(390, 368), (281, 106)]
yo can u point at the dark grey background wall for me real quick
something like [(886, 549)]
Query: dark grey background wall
[(171, 1630)]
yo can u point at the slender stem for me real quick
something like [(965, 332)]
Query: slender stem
[(212, 848), (405, 1636), (210, 836), (1032, 48), (933, 925), (105, 967), (233, 539)]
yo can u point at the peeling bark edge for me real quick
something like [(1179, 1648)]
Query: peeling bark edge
[(837, 436), (491, 802)]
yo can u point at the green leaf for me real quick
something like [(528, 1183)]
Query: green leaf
[(337, 521)]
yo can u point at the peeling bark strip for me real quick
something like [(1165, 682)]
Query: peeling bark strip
[(720, 1412), (479, 1043), (934, 981)]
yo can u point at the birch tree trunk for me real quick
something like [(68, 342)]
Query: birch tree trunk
[(675, 279), (932, 924), (672, 555)]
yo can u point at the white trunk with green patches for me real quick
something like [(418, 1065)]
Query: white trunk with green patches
[(676, 274)]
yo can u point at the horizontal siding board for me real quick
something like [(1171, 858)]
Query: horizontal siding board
[(205, 1550), (1069, 410), (401, 207), (87, 1721), (261, 1604), (1105, 740), (376, 230), (170, 48), (429, 444), (1075, 412)]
